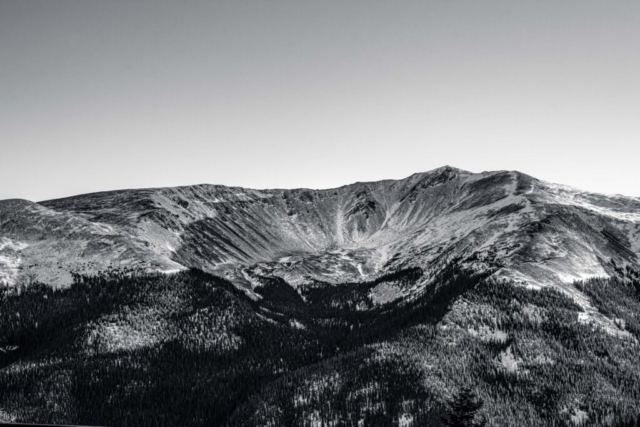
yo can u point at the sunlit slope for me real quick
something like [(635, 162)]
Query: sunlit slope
[(508, 222), (41, 244)]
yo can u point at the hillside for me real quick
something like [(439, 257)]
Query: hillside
[(534, 232), (190, 349), (372, 304)]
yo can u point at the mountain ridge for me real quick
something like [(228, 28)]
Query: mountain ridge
[(252, 188), (532, 231), (445, 167)]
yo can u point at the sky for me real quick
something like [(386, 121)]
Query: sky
[(103, 95)]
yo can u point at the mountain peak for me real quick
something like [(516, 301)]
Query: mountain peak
[(422, 220), (449, 168), (446, 169)]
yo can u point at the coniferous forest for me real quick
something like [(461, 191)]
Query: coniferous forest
[(128, 348)]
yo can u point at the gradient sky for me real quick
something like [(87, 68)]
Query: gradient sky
[(100, 95)]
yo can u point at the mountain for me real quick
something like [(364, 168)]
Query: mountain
[(369, 304), (520, 228)]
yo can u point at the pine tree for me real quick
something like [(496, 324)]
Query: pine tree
[(462, 410)]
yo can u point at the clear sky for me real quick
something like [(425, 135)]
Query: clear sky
[(100, 95)]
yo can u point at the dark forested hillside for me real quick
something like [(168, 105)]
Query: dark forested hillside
[(127, 348)]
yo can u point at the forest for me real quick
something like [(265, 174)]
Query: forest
[(129, 348)]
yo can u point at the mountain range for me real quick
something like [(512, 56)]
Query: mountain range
[(388, 258), (519, 227)]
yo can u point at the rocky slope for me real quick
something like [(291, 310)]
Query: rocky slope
[(535, 232)]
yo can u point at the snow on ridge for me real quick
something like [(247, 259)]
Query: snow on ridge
[(10, 260), (398, 232), (571, 196), (11, 244)]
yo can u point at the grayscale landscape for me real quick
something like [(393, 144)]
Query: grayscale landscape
[(320, 213), (370, 303)]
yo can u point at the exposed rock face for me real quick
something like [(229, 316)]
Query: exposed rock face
[(523, 228)]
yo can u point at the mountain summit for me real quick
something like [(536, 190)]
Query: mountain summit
[(518, 227)]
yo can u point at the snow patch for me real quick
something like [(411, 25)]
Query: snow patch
[(579, 417), (508, 360), (172, 270), (297, 324), (485, 333), (405, 420)]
